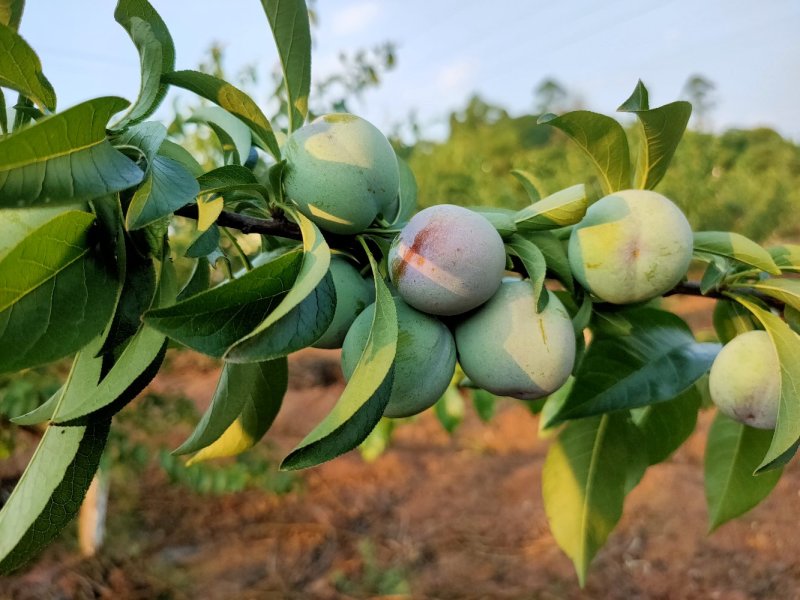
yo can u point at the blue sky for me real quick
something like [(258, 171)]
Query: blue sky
[(448, 49)]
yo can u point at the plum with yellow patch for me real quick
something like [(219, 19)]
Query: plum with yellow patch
[(341, 172), (424, 363), (507, 348), (447, 260), (745, 380), (631, 246), (353, 295)]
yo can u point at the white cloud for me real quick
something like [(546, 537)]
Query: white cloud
[(355, 18), (457, 77)]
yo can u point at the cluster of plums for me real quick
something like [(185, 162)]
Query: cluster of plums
[(455, 300)]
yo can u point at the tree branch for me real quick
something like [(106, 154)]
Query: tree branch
[(282, 227)]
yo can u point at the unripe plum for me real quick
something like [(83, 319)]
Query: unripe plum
[(341, 172), (507, 348), (447, 260), (631, 246), (424, 363), (745, 380), (352, 296)]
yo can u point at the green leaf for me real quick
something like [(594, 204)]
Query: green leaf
[(655, 362), (730, 319), (289, 22), (484, 403), (787, 342), (285, 323), (50, 491), (199, 281), (449, 409), (407, 195), (204, 245), (21, 70), (586, 475), (665, 426), (232, 99), (364, 399), (561, 209), (147, 137), (638, 100), (530, 183), (534, 262), (211, 321), (151, 37), (555, 255), (663, 129), (183, 156), (246, 401), (64, 158), (784, 290), (3, 113), (167, 187), (11, 13), (56, 292), (137, 365), (231, 178), (786, 256), (733, 451), (233, 134), (737, 247), (604, 142)]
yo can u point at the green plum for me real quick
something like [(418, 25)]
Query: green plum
[(507, 348), (424, 363), (352, 296), (340, 172), (447, 260), (745, 380), (631, 246)]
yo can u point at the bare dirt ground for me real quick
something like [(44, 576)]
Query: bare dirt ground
[(449, 517)]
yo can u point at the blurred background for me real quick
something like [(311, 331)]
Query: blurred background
[(448, 504)]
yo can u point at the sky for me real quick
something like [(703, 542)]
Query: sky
[(450, 49)]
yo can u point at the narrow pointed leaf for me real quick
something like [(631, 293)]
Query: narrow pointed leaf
[(737, 247), (655, 362), (56, 292), (21, 70), (260, 343), (563, 208), (64, 158), (364, 399), (733, 451), (407, 194), (638, 100), (211, 321), (156, 50), (288, 20), (586, 475), (530, 183), (663, 129), (246, 401), (534, 262), (231, 99), (787, 343), (50, 491), (555, 255), (604, 142)]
